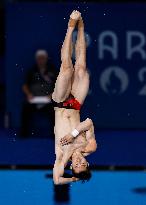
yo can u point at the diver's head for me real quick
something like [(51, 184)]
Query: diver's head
[(80, 167)]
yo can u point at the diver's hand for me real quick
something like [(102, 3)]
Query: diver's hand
[(67, 140), (74, 179)]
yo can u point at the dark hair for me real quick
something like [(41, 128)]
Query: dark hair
[(84, 175)]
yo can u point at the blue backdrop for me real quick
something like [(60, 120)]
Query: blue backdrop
[(116, 57)]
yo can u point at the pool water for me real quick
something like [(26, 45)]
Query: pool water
[(106, 187)]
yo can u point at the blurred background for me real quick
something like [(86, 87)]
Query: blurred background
[(31, 36)]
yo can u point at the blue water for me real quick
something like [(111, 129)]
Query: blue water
[(112, 188)]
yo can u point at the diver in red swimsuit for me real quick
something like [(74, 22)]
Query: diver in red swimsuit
[(73, 139)]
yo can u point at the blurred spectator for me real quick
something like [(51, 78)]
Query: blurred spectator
[(38, 88)]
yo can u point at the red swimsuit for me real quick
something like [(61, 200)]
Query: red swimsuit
[(70, 103)]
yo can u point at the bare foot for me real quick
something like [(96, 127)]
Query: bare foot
[(76, 15)]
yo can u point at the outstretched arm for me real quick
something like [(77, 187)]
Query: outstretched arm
[(58, 172), (59, 166)]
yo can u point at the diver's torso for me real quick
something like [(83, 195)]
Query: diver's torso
[(66, 121)]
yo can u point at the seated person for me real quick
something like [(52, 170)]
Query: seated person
[(40, 81)]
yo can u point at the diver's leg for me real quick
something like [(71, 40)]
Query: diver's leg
[(80, 85), (63, 82)]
